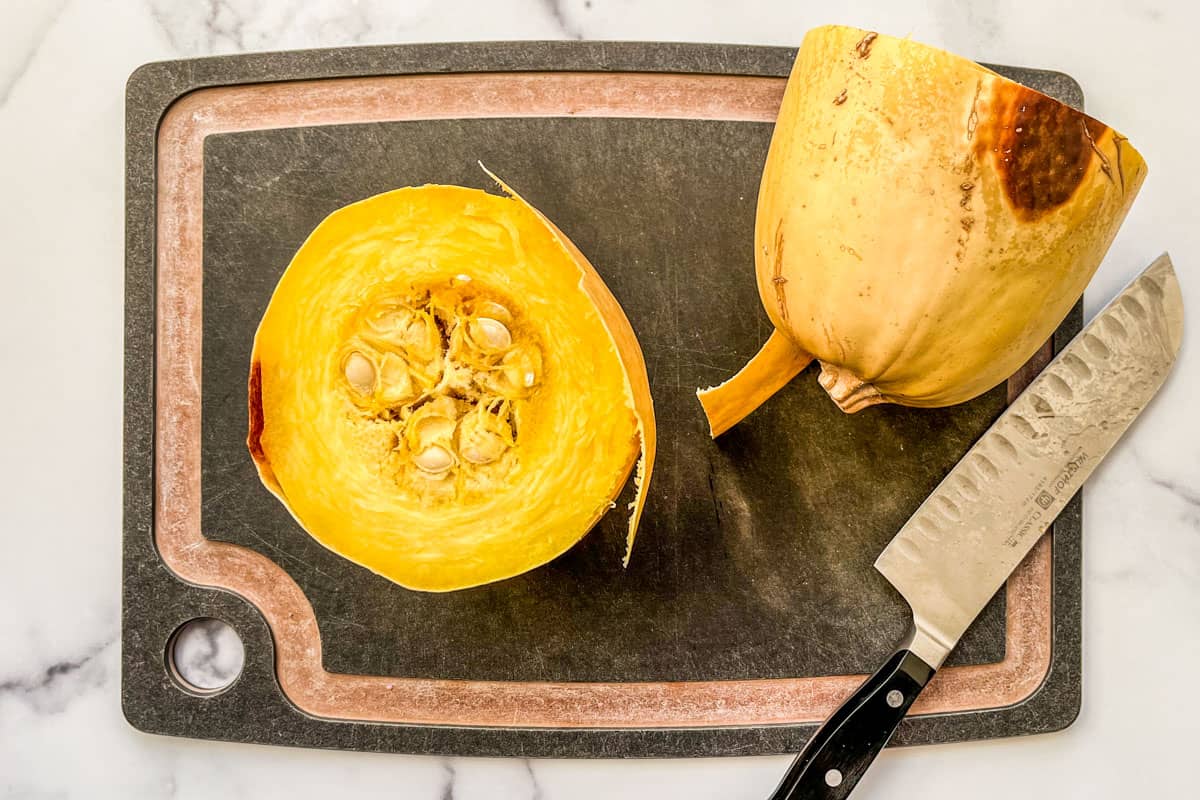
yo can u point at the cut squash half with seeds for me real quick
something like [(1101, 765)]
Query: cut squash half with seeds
[(444, 391)]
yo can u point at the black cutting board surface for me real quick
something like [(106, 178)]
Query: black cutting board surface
[(755, 556)]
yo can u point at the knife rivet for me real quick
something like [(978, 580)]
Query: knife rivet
[(894, 698), (833, 778)]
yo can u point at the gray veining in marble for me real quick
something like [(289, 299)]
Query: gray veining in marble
[(207, 654), (28, 31), (53, 688)]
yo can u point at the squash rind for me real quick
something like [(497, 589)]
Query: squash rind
[(924, 223)]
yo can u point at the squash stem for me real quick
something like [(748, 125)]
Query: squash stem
[(774, 365)]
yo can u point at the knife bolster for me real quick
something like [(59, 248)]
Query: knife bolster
[(927, 643)]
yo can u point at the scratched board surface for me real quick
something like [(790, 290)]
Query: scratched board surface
[(755, 555)]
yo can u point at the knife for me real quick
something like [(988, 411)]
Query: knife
[(960, 546)]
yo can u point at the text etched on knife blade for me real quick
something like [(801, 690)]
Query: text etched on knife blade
[(1049, 498)]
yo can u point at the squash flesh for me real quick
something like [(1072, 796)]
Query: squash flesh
[(345, 469)]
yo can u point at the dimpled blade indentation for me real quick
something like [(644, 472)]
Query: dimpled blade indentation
[(1058, 386), (967, 488)]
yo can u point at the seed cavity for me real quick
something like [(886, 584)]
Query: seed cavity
[(493, 310), (519, 371), (395, 382), (398, 327), (433, 429), (388, 319), (485, 434), (440, 377)]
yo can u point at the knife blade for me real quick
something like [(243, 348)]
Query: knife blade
[(963, 542)]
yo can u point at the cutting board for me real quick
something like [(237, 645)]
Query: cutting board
[(750, 607)]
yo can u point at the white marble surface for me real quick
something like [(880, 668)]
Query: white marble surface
[(63, 65)]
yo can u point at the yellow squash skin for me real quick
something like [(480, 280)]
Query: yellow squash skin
[(340, 461), (923, 223)]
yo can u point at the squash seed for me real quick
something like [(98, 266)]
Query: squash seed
[(435, 460), (490, 334), (359, 372)]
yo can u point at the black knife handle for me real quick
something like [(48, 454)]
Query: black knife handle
[(840, 751)]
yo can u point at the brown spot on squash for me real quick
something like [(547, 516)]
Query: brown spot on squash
[(1119, 140), (1105, 166), (973, 119), (966, 187), (863, 48), (254, 436), (1041, 148), (777, 278)]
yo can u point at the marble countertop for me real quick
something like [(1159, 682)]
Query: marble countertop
[(63, 65)]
